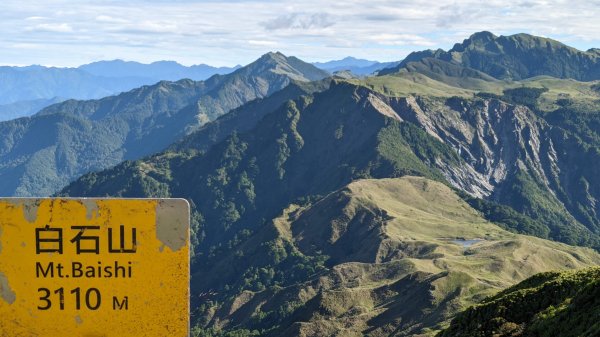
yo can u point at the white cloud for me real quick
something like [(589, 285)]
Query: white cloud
[(299, 21), (66, 32), (147, 27), (51, 27), (110, 19), (35, 18), (401, 40), (263, 43)]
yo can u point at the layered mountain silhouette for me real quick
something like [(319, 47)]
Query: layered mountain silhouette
[(514, 57), (42, 153), (155, 71), (355, 66), (19, 84), (273, 227), (343, 206), (25, 108), (26, 90)]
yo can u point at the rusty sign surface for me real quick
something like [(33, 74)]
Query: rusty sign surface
[(94, 267)]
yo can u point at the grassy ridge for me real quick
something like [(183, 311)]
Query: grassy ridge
[(348, 263), (548, 304)]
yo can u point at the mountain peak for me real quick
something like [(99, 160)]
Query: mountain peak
[(277, 62), (594, 51), (514, 57), (347, 63), (166, 63), (476, 40), (483, 36), (273, 56)]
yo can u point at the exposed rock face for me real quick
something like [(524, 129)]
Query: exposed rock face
[(504, 147), (491, 136)]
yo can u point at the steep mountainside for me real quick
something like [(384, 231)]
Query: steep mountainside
[(268, 74), (245, 117), (251, 176), (549, 304), (549, 128), (253, 273), (485, 147), (517, 158), (42, 153), (308, 218), (515, 57)]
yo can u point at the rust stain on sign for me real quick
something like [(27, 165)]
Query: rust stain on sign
[(94, 267)]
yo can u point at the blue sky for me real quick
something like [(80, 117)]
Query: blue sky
[(74, 32)]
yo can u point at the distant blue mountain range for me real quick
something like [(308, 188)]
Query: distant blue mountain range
[(356, 66), (158, 71), (26, 90), (25, 108)]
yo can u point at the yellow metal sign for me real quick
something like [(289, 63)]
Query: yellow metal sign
[(94, 267)]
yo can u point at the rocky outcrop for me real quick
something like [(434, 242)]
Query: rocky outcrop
[(491, 137), (509, 154)]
